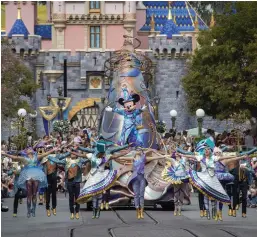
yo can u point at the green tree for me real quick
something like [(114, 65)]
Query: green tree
[(17, 81), (222, 76)]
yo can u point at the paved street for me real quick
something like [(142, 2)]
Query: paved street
[(123, 223)]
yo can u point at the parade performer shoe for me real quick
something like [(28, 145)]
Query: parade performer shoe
[(94, 213), (175, 213), (54, 211), (205, 213), (214, 213), (208, 215), (107, 206), (72, 216), (77, 215), (220, 216), (102, 206), (244, 215), (28, 214), (97, 213), (33, 212), (14, 215), (234, 213), (142, 213), (179, 210), (138, 214), (230, 212), (201, 213), (48, 213)]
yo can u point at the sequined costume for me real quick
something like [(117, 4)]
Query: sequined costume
[(99, 179), (72, 183), (207, 182), (129, 132), (178, 176), (32, 171)]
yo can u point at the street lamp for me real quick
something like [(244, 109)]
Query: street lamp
[(61, 101), (59, 89), (48, 97), (22, 113), (200, 114), (173, 114), (157, 102)]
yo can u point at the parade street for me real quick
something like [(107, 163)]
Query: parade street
[(122, 222)]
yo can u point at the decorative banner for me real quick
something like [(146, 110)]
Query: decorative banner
[(48, 112), (81, 105), (66, 102), (95, 82), (46, 126)]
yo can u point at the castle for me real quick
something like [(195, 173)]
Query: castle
[(86, 34)]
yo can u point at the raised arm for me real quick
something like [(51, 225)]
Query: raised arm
[(57, 161), (85, 149), (233, 159), (40, 157), (18, 158), (63, 156), (81, 155)]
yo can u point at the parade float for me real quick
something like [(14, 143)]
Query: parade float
[(129, 69)]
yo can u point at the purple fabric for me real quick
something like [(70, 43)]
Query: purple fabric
[(139, 165)]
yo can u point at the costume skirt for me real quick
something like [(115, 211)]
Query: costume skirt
[(173, 176), (97, 183), (209, 186), (32, 173)]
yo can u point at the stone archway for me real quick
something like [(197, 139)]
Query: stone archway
[(87, 112)]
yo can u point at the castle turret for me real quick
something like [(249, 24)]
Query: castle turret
[(19, 27), (59, 21), (129, 17)]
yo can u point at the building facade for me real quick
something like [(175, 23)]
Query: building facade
[(86, 34)]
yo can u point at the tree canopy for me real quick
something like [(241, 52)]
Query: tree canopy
[(222, 76), (17, 81)]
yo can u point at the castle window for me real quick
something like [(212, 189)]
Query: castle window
[(95, 37), (177, 94), (94, 6)]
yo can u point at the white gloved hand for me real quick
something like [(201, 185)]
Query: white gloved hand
[(108, 108), (144, 107)]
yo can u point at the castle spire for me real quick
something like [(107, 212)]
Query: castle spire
[(170, 15), (152, 23), (19, 10), (212, 23), (196, 23)]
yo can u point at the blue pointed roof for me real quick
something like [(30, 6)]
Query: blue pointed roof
[(169, 29), (182, 11), (19, 28)]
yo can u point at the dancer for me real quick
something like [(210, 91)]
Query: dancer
[(31, 177), (99, 179), (17, 192), (73, 175), (241, 183), (206, 180), (223, 175), (50, 169), (137, 181), (177, 174), (129, 132)]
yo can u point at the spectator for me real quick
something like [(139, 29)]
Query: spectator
[(249, 142)]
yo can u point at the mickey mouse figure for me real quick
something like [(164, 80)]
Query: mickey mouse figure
[(129, 132)]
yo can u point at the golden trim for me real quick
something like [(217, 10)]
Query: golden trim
[(54, 102), (81, 105), (43, 110), (95, 11)]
